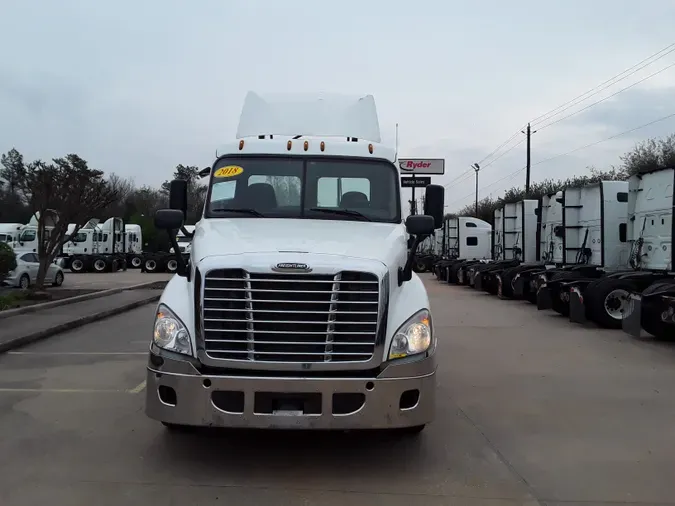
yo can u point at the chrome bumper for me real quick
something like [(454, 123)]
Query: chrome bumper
[(402, 395)]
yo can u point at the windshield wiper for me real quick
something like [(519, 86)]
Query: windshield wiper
[(252, 212), (343, 212)]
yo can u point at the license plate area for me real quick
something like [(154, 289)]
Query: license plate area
[(287, 404)]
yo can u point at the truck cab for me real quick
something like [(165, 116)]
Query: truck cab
[(297, 307)]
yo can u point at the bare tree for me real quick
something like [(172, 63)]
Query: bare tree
[(64, 192)]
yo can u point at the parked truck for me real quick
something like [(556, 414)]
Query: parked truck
[(515, 243), (298, 307), (162, 261), (467, 241), (595, 252), (651, 284), (95, 247)]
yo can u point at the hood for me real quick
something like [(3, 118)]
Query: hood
[(359, 239)]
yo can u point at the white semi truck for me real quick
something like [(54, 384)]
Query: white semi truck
[(298, 307)]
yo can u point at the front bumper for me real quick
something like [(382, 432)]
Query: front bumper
[(402, 395)]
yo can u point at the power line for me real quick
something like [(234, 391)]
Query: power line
[(670, 49), (501, 146), (512, 174), (607, 97), (615, 79), (605, 140)]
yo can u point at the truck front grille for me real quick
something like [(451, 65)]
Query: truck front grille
[(290, 317)]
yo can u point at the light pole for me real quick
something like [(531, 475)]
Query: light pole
[(476, 167)]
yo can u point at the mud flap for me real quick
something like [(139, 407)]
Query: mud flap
[(519, 287), (577, 308), (478, 281), (632, 324), (500, 288), (544, 298)]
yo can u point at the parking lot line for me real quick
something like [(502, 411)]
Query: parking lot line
[(138, 388)]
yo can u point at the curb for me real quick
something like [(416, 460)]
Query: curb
[(73, 324), (79, 298)]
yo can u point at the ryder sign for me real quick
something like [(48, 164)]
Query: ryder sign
[(430, 166)]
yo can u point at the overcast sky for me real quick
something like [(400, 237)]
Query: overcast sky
[(136, 87)]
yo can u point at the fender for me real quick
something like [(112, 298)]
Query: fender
[(411, 298), (177, 296)]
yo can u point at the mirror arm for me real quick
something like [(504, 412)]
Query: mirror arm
[(186, 233), (182, 267), (405, 272)]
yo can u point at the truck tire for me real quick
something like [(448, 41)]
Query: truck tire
[(77, 265), (651, 316), (171, 265), (151, 264), (609, 302), (99, 264), (136, 261)]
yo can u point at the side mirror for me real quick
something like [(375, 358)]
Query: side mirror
[(205, 172), (420, 225), (178, 196), (434, 203), (169, 219)]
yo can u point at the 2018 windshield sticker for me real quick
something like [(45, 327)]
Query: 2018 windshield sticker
[(229, 171)]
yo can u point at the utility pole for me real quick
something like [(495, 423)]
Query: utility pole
[(528, 132), (476, 167)]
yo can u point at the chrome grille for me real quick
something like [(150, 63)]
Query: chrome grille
[(274, 317)]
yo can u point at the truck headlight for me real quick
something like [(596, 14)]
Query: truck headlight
[(170, 333), (413, 337)]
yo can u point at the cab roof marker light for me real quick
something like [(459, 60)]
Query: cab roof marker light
[(241, 144), (370, 148), (323, 146), (289, 144), (306, 145)]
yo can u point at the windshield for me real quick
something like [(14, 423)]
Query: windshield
[(292, 187)]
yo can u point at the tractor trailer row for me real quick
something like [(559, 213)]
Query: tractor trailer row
[(599, 253), (98, 247)]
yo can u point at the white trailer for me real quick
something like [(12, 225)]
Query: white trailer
[(298, 310)]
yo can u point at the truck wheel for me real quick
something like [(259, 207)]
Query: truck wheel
[(150, 265), (136, 261), (651, 315), (77, 265), (610, 302), (99, 265), (172, 265)]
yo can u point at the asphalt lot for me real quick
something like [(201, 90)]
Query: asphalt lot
[(531, 410), (108, 280)]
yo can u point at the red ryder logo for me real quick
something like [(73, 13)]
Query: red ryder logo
[(422, 166), (410, 165)]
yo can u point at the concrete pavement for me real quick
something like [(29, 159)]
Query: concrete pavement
[(531, 410), (107, 280), (28, 327)]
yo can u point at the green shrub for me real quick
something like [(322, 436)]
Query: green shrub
[(7, 259)]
